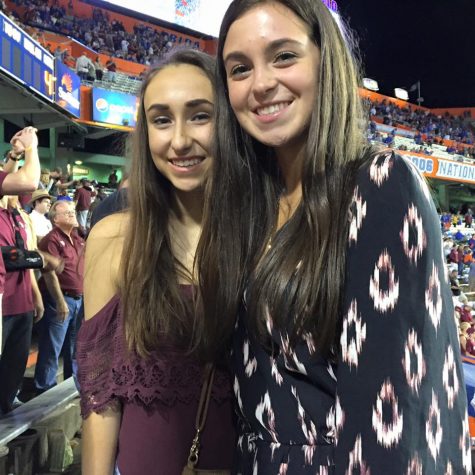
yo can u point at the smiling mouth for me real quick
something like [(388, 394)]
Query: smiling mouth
[(187, 163), (272, 109)]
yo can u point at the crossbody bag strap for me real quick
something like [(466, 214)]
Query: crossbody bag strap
[(201, 414), (19, 241)]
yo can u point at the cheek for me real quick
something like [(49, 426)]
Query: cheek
[(156, 142), (237, 97), (204, 138)]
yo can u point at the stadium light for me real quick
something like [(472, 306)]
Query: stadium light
[(401, 93), (370, 84)]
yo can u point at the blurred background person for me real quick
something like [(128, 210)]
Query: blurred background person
[(62, 296), (41, 204), (83, 199)]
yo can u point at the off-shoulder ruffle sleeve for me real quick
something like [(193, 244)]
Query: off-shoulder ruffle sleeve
[(98, 348), (110, 375)]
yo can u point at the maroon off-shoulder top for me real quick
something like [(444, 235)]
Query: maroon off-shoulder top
[(158, 398)]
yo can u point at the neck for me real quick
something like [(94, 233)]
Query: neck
[(66, 230), (290, 160), (188, 207), (185, 230)]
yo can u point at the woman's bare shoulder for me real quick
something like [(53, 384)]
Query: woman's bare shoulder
[(110, 227), (103, 256)]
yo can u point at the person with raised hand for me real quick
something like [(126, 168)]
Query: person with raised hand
[(25, 180)]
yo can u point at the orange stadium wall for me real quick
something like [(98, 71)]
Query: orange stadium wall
[(86, 103), (376, 97), (456, 111), (211, 46)]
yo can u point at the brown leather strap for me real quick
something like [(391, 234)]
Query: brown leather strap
[(201, 414), (205, 397)]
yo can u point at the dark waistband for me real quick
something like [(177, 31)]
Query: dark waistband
[(328, 442), (320, 453), (73, 295)]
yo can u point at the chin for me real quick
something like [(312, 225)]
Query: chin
[(275, 141), (189, 188)]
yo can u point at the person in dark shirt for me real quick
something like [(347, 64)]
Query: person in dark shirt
[(115, 202)]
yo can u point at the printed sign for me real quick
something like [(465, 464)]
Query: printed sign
[(114, 107), (68, 89)]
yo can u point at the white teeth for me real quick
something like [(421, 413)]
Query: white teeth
[(187, 163), (274, 108)]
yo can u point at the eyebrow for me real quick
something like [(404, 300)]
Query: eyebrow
[(273, 45), (189, 104)]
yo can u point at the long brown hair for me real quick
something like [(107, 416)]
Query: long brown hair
[(300, 279), (153, 304)]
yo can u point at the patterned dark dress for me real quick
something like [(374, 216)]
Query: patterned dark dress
[(393, 401)]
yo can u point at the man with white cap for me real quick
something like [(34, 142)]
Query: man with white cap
[(41, 203)]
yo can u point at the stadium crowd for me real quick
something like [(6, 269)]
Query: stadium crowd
[(430, 129), (145, 45), (459, 251)]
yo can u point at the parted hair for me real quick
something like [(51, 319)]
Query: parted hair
[(153, 305), (299, 280)]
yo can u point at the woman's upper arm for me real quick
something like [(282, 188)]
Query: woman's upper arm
[(401, 402), (103, 254), (99, 442)]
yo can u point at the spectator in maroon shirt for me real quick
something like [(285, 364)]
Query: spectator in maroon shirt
[(111, 69), (18, 308), (83, 198), (468, 219), (454, 256), (62, 297), (17, 305)]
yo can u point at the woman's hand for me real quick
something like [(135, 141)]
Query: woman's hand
[(24, 140)]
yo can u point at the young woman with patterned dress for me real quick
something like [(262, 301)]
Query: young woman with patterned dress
[(321, 261)]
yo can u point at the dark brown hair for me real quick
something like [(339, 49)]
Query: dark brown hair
[(153, 304), (300, 279)]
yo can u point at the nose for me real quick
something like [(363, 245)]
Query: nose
[(181, 140), (264, 80)]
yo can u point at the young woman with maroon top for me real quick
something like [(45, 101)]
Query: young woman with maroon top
[(140, 382)]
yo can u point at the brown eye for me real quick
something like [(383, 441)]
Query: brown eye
[(201, 117), (161, 120), (285, 56), (239, 70)]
